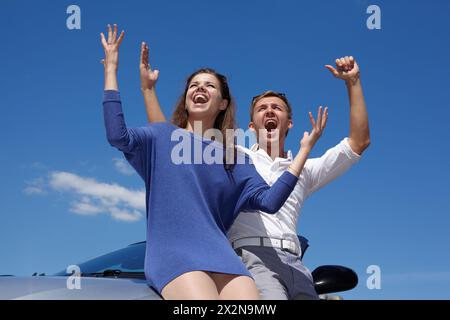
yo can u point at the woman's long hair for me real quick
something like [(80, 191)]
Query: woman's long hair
[(224, 120)]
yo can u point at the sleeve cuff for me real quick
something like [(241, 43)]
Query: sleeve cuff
[(349, 151), (289, 179), (111, 95)]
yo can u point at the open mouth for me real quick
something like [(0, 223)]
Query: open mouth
[(270, 125), (200, 98)]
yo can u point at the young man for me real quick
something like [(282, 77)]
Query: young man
[(268, 244)]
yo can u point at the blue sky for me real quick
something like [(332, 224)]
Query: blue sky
[(67, 196)]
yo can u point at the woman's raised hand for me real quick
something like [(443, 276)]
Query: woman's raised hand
[(111, 48)]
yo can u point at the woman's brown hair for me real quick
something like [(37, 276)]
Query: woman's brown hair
[(224, 120)]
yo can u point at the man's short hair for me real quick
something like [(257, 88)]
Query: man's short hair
[(270, 93)]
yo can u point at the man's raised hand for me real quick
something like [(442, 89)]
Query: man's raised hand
[(346, 69), (148, 77), (318, 125)]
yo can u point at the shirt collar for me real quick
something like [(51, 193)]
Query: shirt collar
[(257, 149)]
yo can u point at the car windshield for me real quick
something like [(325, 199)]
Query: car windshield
[(126, 260)]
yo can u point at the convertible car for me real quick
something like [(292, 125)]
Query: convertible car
[(120, 275)]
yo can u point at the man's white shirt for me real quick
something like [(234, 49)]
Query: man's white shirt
[(316, 173)]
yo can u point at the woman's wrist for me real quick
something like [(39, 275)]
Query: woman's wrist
[(294, 171), (111, 69), (111, 81)]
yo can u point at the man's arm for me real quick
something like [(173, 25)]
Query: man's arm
[(348, 70), (148, 83)]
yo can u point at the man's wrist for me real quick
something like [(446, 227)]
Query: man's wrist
[(352, 81), (304, 151), (148, 90)]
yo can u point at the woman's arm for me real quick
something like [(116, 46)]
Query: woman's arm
[(134, 142), (148, 84), (116, 130), (111, 60)]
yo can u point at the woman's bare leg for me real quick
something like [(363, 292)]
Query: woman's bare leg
[(234, 287), (195, 285)]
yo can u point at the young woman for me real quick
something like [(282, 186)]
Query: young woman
[(190, 206)]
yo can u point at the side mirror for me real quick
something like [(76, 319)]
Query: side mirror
[(329, 279)]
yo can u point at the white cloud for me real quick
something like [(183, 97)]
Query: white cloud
[(126, 215), (85, 208), (123, 167), (95, 197), (33, 190), (35, 187)]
